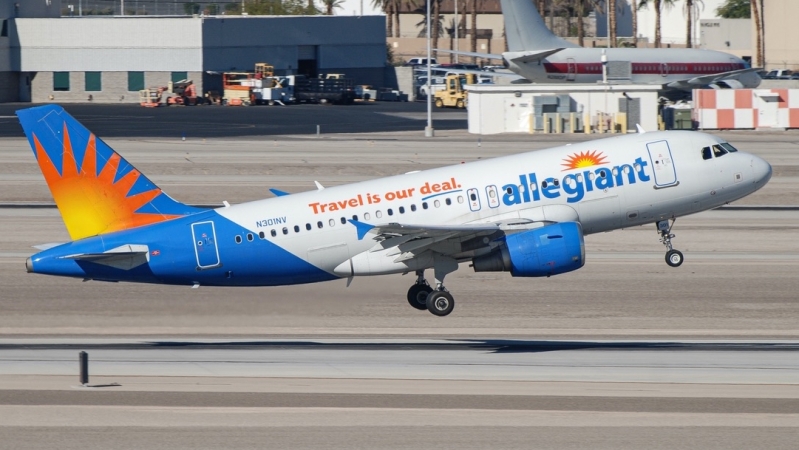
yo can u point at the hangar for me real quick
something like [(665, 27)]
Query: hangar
[(109, 59)]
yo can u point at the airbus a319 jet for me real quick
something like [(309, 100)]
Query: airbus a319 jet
[(526, 214), (538, 56)]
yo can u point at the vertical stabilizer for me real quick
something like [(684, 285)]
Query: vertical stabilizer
[(95, 189), (526, 30)]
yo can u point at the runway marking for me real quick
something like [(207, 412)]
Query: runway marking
[(148, 416)]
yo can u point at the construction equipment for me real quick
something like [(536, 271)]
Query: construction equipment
[(258, 87), (181, 92), (455, 94)]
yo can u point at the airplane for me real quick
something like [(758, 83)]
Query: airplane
[(526, 214), (539, 56)]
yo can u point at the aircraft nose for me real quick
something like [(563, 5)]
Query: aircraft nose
[(29, 265), (761, 170)]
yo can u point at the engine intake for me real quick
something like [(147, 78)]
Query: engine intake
[(551, 250)]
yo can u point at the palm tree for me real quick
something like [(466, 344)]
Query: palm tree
[(331, 4), (579, 10), (758, 31), (689, 12), (657, 5), (612, 18), (542, 4), (474, 30), (634, 9)]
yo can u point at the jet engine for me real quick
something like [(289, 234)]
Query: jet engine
[(546, 251)]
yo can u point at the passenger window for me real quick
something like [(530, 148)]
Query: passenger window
[(261, 235), (436, 203), (402, 210), (448, 202), (238, 239), (556, 182), (355, 217), (343, 220), (390, 211), (285, 230), (424, 205), (273, 233), (319, 224), (308, 226), (533, 186), (473, 196), (544, 185), (413, 208), (460, 198), (378, 214), (249, 237), (492, 193), (706, 154), (367, 216), (509, 190), (296, 228), (332, 222)]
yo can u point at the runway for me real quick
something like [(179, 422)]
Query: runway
[(399, 393), (625, 353)]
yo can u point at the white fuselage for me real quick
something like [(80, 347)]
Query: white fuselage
[(606, 184), (647, 66)]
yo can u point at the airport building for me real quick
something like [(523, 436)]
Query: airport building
[(46, 57)]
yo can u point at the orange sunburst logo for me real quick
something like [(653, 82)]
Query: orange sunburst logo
[(584, 159), (92, 202)]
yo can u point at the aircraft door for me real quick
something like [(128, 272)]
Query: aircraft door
[(662, 164), (205, 248), (474, 199), (571, 69), (664, 69), (493, 196)]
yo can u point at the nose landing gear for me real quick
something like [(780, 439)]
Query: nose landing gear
[(674, 258)]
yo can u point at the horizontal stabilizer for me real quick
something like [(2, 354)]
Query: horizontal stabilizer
[(124, 257), (529, 56)]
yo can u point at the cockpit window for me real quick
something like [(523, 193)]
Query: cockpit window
[(716, 151), (728, 147)]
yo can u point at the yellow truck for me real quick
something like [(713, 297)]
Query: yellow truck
[(454, 95)]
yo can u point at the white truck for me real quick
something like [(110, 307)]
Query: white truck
[(272, 90)]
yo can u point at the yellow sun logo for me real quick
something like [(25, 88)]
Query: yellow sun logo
[(584, 159), (93, 202)]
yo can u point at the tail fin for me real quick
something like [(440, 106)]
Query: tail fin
[(526, 30), (95, 189)]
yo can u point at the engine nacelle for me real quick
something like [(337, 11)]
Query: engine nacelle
[(550, 250)]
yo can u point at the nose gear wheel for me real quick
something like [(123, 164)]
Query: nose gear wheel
[(674, 258)]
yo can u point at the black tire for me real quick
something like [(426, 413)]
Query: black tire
[(674, 258), (439, 103), (460, 104), (440, 303), (417, 296)]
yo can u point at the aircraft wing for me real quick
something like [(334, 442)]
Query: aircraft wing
[(485, 73), (125, 257), (473, 54), (710, 79)]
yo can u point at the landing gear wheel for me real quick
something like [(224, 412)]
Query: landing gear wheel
[(440, 303), (674, 258), (417, 296)]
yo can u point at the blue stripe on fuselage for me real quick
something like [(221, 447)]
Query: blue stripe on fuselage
[(259, 262)]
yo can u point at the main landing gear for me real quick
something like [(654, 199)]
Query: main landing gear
[(438, 301), (674, 258)]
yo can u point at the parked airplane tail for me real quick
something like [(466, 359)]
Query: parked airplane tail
[(526, 30), (95, 189)]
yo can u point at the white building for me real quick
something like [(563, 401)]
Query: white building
[(44, 57)]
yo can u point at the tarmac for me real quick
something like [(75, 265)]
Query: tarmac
[(626, 353)]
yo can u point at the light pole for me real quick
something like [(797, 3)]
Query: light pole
[(428, 131), (607, 18)]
